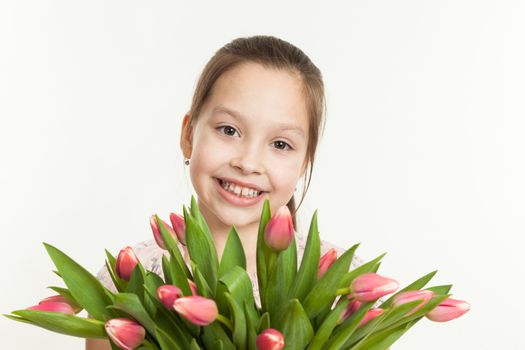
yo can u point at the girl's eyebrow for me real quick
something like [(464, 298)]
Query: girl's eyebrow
[(235, 114)]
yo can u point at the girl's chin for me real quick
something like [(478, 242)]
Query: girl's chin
[(231, 217)]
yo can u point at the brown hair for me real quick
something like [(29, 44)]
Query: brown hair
[(270, 52)]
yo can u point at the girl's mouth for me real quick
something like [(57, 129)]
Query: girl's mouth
[(236, 195)]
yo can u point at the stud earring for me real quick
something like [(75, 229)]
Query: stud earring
[(186, 161)]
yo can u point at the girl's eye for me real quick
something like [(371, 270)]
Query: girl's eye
[(231, 130), (282, 143)]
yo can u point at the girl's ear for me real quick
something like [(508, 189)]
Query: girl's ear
[(186, 134)]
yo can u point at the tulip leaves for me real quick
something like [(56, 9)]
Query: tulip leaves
[(200, 245), (307, 275), (233, 254), (84, 287), (62, 323), (295, 302)]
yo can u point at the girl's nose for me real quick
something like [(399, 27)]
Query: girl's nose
[(248, 161)]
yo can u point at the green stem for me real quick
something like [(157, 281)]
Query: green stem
[(343, 291), (225, 322), (150, 345)]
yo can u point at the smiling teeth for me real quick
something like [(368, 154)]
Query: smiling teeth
[(239, 191)]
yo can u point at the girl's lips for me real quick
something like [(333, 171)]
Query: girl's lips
[(236, 200)]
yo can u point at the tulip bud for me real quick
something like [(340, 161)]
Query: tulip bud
[(125, 333), (279, 230), (370, 315), (351, 308), (156, 231), (371, 286), (413, 295), (326, 261), (270, 339), (60, 299), (54, 306), (196, 309), (449, 309), (126, 262), (193, 287), (168, 294), (179, 226)]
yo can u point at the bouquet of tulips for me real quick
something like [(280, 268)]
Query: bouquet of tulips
[(320, 305)]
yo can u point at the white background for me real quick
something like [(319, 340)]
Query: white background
[(423, 154)]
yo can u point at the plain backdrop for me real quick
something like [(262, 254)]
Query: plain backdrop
[(423, 154)]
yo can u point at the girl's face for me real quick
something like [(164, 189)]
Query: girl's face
[(253, 129)]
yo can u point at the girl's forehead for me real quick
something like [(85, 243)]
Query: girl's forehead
[(252, 91)]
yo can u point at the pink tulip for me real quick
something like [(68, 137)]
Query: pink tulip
[(279, 230), (371, 286), (326, 261), (193, 287), (370, 315), (60, 299), (196, 309), (126, 262), (168, 294), (351, 308), (179, 226), (54, 306), (125, 333), (156, 231), (270, 339), (413, 295), (449, 309)]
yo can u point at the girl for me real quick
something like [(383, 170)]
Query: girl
[(252, 130)]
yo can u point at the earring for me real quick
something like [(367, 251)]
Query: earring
[(186, 161)]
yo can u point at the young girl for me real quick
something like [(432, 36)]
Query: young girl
[(252, 130)]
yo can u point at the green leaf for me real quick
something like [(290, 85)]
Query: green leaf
[(166, 270), (179, 276), (238, 284), (202, 251), (135, 284), (324, 291), (444, 289), (202, 285), (66, 294), (239, 322), (166, 341), (153, 282), (18, 319), (233, 254), (307, 275), (326, 328), (214, 332), (112, 271), (281, 280), (85, 288), (264, 322), (251, 327), (130, 304), (383, 339), (263, 252), (295, 326), (63, 323)]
